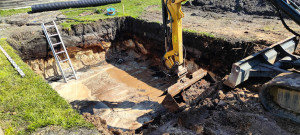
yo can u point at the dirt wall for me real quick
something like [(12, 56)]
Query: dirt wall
[(210, 52), (215, 54)]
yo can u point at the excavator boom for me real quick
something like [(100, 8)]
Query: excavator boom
[(174, 56)]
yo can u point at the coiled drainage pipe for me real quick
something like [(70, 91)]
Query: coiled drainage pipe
[(71, 4)]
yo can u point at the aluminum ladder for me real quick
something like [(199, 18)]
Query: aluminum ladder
[(56, 54)]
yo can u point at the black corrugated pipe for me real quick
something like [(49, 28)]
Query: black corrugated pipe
[(71, 4)]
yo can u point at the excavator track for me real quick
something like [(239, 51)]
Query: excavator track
[(281, 96)]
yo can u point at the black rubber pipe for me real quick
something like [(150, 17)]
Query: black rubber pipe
[(291, 11), (71, 4)]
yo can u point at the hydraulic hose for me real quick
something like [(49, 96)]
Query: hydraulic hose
[(286, 26), (288, 9), (170, 21), (71, 4)]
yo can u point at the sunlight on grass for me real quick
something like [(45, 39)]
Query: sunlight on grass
[(133, 8), (200, 33), (5, 13)]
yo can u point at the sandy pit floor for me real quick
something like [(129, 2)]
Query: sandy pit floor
[(126, 96)]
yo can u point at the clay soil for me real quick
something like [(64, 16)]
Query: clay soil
[(227, 111), (230, 25)]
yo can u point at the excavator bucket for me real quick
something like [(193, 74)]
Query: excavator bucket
[(269, 62), (169, 102)]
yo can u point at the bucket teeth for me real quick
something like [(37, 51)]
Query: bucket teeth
[(169, 102)]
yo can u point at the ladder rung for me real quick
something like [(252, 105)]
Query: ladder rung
[(60, 52), (67, 69), (64, 60), (50, 26), (70, 75), (56, 44), (53, 35), (58, 59)]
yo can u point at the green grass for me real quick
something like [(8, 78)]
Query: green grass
[(29, 103), (133, 8), (269, 28), (185, 2), (200, 33), (5, 13)]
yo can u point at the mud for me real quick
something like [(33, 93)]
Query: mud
[(120, 84), (258, 7), (207, 51), (259, 29), (226, 111), (101, 125), (235, 111), (123, 89)]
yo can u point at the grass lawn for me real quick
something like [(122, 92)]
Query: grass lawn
[(29, 103), (133, 8), (200, 33), (5, 13)]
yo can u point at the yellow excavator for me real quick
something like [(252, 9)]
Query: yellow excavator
[(174, 56), (280, 96)]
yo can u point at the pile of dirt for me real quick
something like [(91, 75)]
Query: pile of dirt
[(256, 7), (228, 111), (225, 111), (98, 122), (101, 125)]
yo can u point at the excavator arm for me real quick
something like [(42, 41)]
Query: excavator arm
[(280, 96), (172, 16), (174, 56)]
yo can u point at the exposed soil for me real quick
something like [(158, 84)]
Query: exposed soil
[(236, 111), (230, 25), (134, 48), (53, 130), (258, 7), (227, 111)]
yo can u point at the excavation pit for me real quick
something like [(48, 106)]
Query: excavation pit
[(121, 77), (124, 89)]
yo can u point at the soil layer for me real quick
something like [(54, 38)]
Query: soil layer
[(134, 48)]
